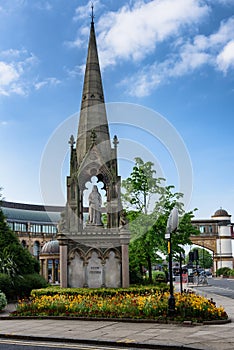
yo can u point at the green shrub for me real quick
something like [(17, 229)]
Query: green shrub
[(223, 271), (3, 300), (159, 276), (162, 287), (6, 285), (15, 260), (25, 284), (231, 272), (136, 277)]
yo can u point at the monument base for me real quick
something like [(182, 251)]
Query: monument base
[(96, 258)]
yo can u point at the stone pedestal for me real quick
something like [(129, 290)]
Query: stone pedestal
[(94, 258)]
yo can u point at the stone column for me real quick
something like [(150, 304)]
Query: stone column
[(63, 260), (63, 266), (103, 274), (124, 239), (125, 266), (53, 271), (86, 274), (42, 267), (46, 270)]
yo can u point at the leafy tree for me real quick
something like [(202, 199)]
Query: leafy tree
[(14, 259), (205, 258), (140, 186), (148, 228), (8, 265)]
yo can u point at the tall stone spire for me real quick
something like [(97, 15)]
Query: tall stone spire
[(93, 156), (86, 241), (93, 113)]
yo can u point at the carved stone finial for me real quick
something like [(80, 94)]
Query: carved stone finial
[(93, 136), (72, 141), (123, 221), (115, 141), (62, 223), (92, 15)]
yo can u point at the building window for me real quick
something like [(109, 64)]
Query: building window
[(35, 228), (19, 227), (49, 229), (24, 245), (210, 228), (36, 249), (202, 229)]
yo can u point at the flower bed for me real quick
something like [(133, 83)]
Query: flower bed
[(150, 306)]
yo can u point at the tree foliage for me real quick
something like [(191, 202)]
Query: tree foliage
[(205, 258), (140, 186), (148, 228), (14, 259)]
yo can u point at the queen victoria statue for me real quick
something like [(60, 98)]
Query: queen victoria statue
[(95, 202)]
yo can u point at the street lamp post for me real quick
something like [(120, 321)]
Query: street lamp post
[(181, 272), (171, 300), (172, 224)]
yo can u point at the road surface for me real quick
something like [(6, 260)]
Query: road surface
[(220, 286)]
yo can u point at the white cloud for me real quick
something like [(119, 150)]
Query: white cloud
[(223, 35), (81, 40), (12, 53), (138, 28), (133, 32), (47, 82), (225, 59), (15, 65), (216, 50), (135, 29), (8, 74), (82, 11), (16, 73), (78, 70), (144, 81), (9, 6)]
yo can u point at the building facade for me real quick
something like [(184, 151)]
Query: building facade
[(216, 234)]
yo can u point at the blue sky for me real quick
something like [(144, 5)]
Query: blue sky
[(172, 57)]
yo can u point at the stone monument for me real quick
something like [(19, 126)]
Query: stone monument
[(93, 237)]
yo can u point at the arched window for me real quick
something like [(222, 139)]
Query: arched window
[(24, 245), (36, 249)]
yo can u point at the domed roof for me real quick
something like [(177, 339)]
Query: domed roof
[(221, 212), (51, 247)]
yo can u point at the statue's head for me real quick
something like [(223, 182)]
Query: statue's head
[(95, 189)]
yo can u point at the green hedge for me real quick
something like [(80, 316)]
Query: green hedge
[(23, 285), (99, 291), (3, 300), (159, 276), (20, 286), (223, 271), (6, 285)]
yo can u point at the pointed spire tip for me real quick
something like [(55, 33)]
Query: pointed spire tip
[(92, 14)]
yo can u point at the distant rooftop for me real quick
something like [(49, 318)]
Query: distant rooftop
[(33, 213)]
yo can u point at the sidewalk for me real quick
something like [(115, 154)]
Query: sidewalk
[(128, 334)]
